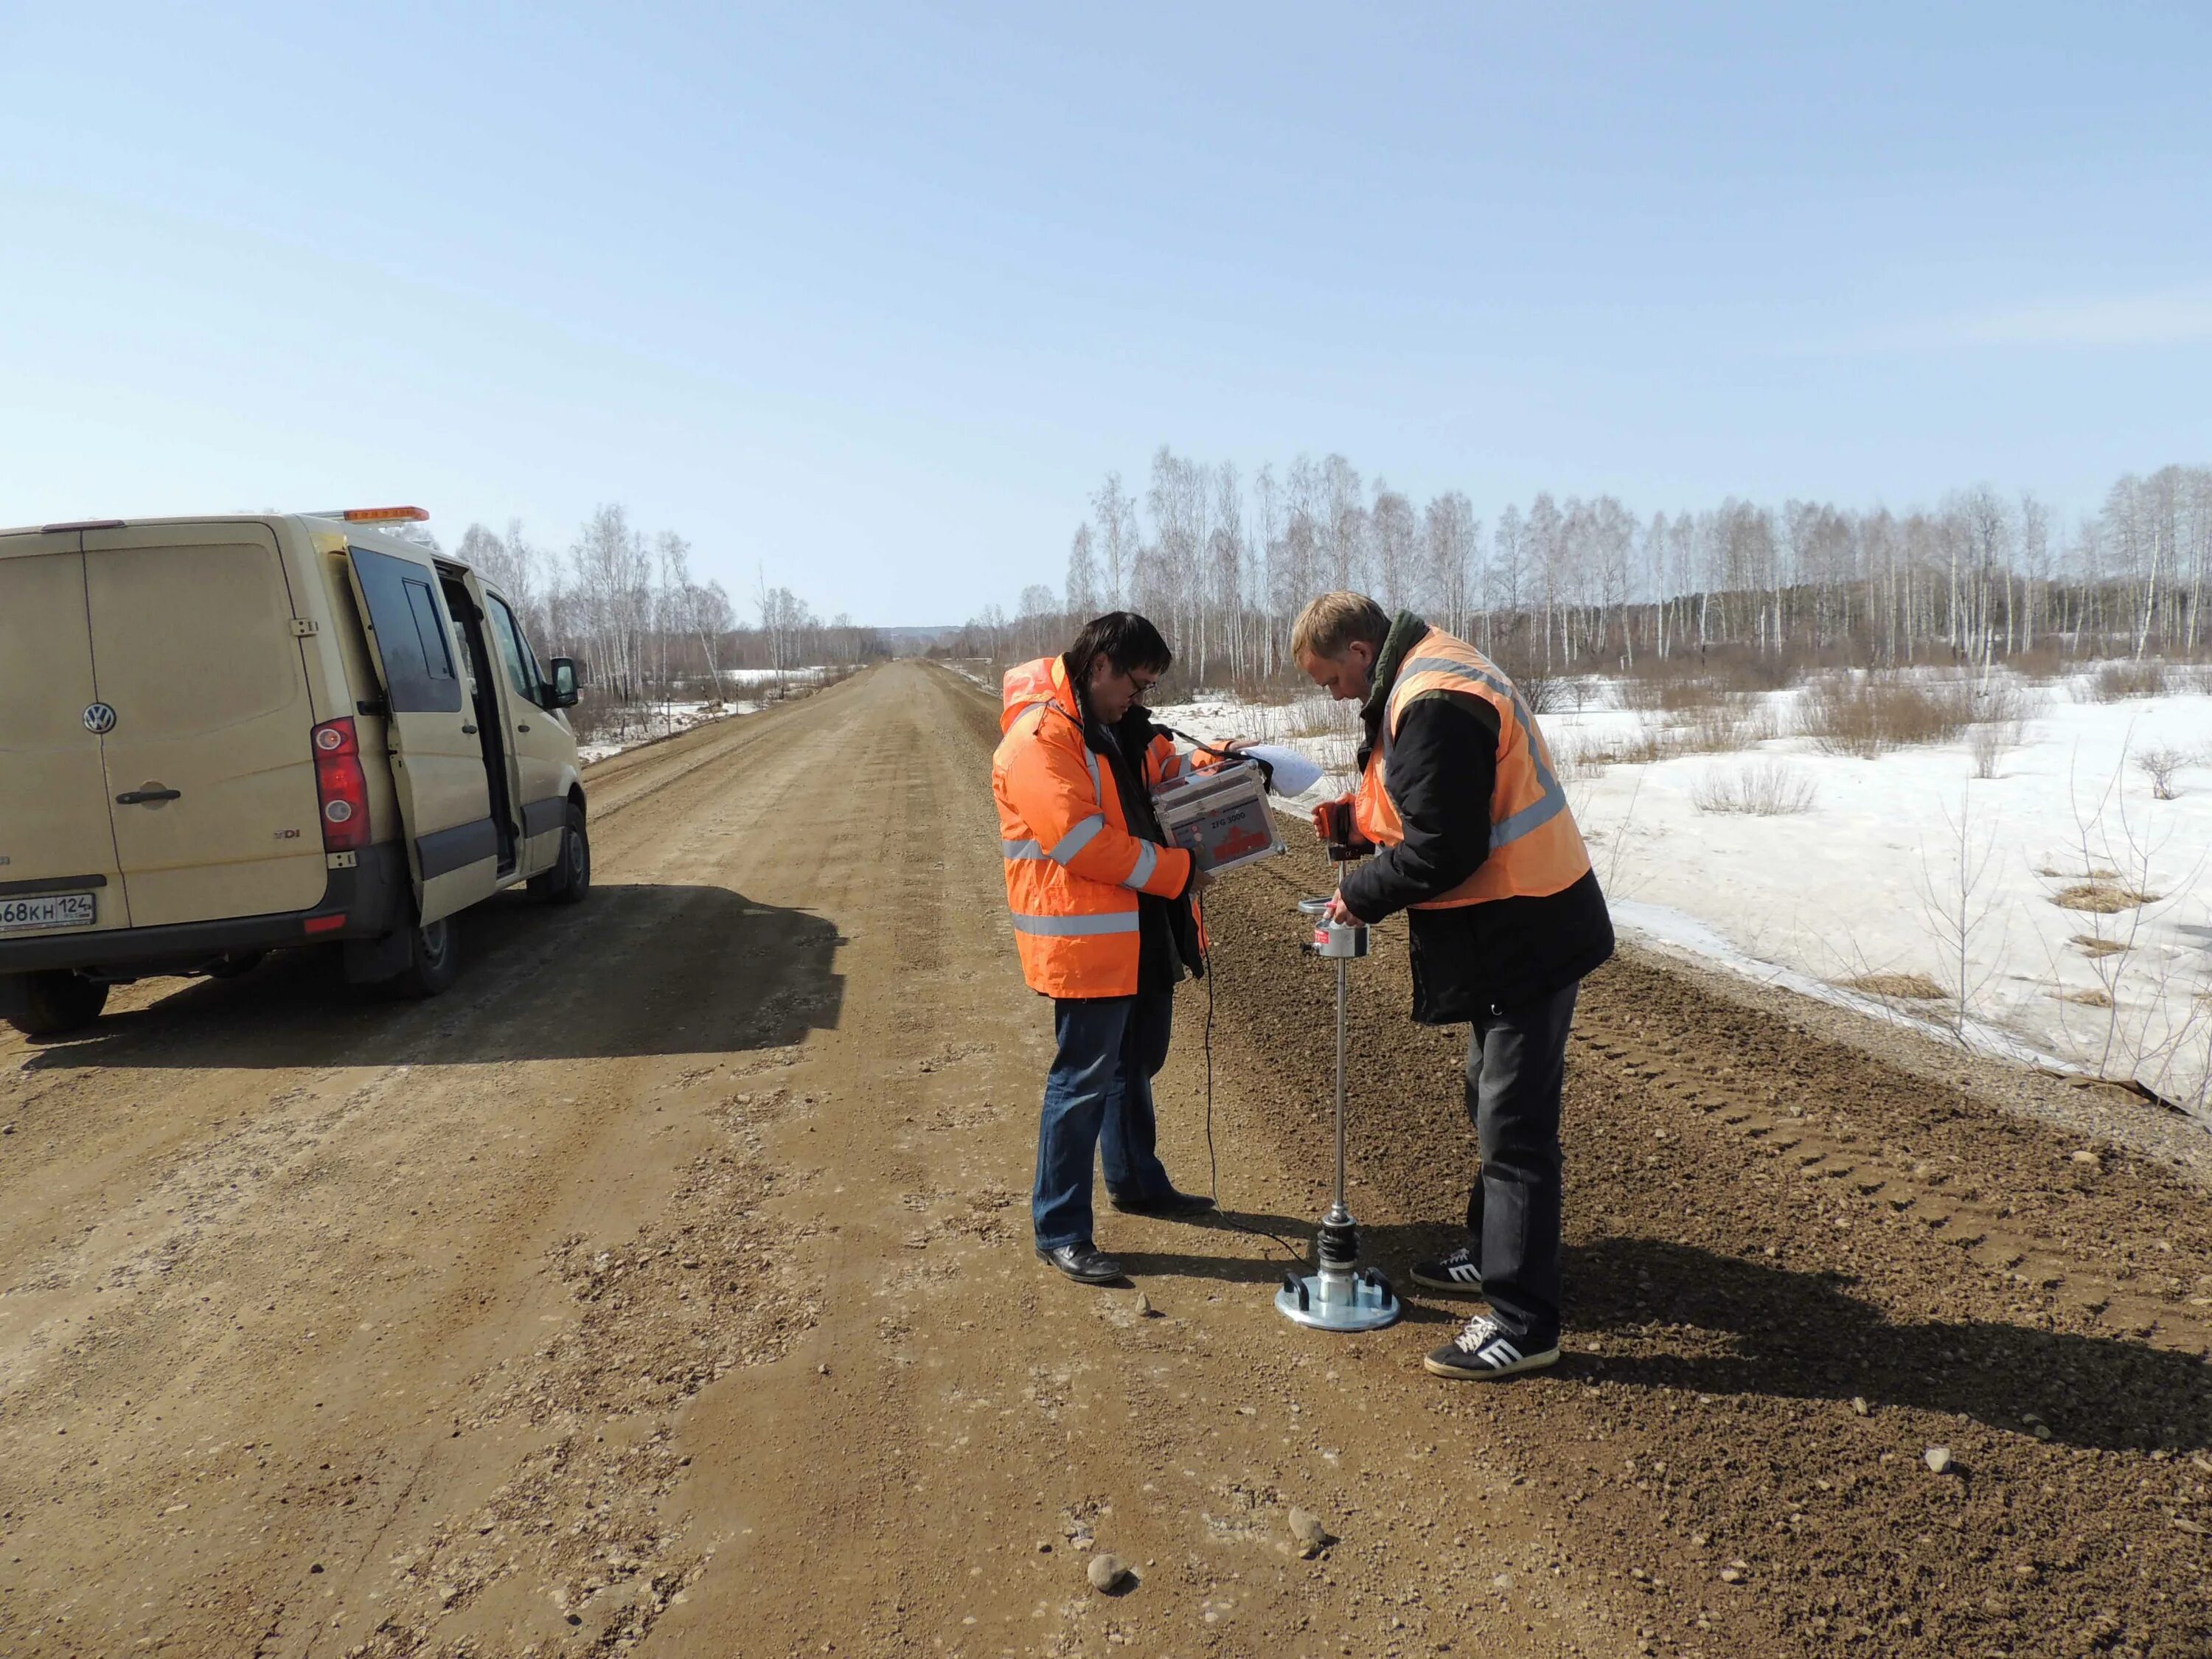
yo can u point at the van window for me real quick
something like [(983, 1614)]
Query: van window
[(412, 635), (430, 630), (514, 650)]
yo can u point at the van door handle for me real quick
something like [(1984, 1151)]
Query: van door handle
[(140, 797), (468, 731), (524, 726)]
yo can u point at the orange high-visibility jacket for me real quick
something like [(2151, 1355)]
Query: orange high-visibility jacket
[(1536, 850), (1073, 871)]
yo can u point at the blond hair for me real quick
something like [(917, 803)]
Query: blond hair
[(1329, 625)]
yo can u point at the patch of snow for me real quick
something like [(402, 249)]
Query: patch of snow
[(751, 676), (652, 722)]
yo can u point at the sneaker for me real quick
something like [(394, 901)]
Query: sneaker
[(1457, 1270), (1484, 1353)]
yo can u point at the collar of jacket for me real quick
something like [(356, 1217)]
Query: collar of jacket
[(1031, 684), (1405, 633), (1134, 733)]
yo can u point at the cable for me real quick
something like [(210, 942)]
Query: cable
[(1212, 1165)]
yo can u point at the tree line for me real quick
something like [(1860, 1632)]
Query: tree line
[(627, 607), (1223, 564)]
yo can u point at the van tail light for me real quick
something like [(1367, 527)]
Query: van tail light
[(343, 787)]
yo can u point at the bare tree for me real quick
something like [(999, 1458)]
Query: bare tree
[(1450, 536), (1082, 575), (1118, 538)]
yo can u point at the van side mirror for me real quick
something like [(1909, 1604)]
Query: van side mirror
[(566, 682)]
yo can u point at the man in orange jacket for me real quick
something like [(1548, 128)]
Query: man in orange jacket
[(1505, 917), (1102, 915)]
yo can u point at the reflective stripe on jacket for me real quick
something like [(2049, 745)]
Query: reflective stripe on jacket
[(1536, 850), (1073, 871)]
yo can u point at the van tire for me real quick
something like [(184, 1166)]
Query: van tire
[(59, 1001), (434, 960), (569, 880)]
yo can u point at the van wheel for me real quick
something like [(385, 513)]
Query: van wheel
[(434, 960), (569, 879), (58, 1001)]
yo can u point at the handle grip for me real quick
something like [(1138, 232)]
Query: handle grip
[(140, 797)]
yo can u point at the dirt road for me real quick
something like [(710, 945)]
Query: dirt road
[(667, 1288)]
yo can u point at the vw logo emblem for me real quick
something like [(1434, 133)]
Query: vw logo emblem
[(100, 719)]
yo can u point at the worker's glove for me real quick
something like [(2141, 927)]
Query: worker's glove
[(1332, 820)]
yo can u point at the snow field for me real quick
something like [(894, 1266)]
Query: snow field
[(2054, 909)]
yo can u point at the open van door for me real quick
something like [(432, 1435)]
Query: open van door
[(437, 752)]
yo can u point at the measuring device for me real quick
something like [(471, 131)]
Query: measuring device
[(1341, 1295)]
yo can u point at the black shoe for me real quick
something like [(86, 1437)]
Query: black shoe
[(1484, 1353), (1459, 1270), (1082, 1262), (1169, 1203)]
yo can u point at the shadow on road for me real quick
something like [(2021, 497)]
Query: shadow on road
[(637, 969), (1787, 1335), (1802, 1335), (1387, 1247)]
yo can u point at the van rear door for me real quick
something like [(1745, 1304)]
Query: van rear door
[(57, 867), (209, 765), (437, 753)]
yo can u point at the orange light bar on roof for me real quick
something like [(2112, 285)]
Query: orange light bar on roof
[(383, 514)]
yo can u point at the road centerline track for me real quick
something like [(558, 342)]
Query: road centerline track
[(667, 1286)]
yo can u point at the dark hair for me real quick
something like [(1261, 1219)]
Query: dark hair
[(1125, 639)]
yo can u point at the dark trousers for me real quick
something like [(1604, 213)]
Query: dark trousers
[(1517, 1064), (1099, 1103)]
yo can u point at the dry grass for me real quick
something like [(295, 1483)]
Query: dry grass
[(1680, 684), (1728, 724), (1670, 689), (1864, 714), (2092, 999), (2094, 947), (1764, 789), (1907, 987), (2102, 898), (2001, 714), (1989, 744), (2116, 681), (2159, 765), (1729, 727), (1303, 717)]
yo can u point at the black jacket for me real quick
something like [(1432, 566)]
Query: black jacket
[(1167, 934), (1441, 772)]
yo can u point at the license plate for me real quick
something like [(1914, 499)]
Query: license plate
[(22, 916)]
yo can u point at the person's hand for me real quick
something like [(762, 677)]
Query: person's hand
[(1201, 879), (1338, 911), (1237, 745)]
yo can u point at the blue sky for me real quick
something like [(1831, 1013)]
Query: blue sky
[(869, 299)]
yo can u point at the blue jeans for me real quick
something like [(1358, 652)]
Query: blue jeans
[(1098, 1099)]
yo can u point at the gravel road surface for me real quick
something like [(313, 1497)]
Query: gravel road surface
[(667, 1288)]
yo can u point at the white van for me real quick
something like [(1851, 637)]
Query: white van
[(221, 737)]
